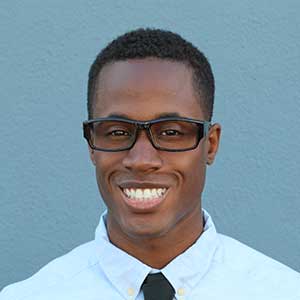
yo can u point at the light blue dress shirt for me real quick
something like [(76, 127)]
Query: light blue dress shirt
[(214, 267)]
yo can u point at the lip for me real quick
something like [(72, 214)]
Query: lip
[(143, 206), (141, 184)]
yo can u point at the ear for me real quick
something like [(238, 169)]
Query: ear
[(213, 142), (92, 155)]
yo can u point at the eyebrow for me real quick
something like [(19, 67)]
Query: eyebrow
[(162, 115)]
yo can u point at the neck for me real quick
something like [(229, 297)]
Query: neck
[(159, 251)]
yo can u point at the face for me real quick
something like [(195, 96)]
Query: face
[(142, 90)]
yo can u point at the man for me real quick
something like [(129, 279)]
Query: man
[(150, 136)]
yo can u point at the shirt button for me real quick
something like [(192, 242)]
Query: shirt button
[(130, 291), (180, 291)]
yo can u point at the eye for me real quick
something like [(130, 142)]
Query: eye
[(118, 133), (171, 132)]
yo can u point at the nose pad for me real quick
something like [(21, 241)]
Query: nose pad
[(142, 156)]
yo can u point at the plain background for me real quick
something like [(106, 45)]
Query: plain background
[(49, 202)]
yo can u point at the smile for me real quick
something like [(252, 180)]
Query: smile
[(144, 198), (144, 194)]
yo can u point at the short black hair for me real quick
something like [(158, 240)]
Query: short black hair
[(143, 43)]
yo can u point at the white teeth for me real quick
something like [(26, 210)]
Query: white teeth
[(160, 192), (147, 193), (154, 192), (139, 193), (144, 194)]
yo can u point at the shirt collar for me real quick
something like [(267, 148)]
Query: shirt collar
[(127, 273), (187, 269), (124, 271)]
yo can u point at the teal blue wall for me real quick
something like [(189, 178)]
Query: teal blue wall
[(49, 201)]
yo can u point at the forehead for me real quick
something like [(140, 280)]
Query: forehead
[(144, 88)]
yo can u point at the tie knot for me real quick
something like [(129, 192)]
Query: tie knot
[(157, 287)]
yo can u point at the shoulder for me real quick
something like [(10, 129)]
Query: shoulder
[(260, 271), (55, 273), (247, 256)]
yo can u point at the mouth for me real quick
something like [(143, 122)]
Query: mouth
[(144, 198)]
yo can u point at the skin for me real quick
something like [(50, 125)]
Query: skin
[(144, 89)]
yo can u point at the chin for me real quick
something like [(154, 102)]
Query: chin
[(140, 229)]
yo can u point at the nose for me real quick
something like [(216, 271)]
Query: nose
[(142, 157)]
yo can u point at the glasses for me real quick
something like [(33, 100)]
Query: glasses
[(174, 134)]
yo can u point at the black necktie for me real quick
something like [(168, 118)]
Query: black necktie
[(157, 287)]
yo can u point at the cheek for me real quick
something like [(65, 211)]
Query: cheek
[(192, 168), (106, 164)]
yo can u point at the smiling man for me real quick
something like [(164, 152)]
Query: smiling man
[(150, 137), (151, 186)]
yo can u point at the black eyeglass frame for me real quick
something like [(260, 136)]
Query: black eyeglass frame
[(145, 125)]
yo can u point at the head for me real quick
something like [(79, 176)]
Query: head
[(144, 75)]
